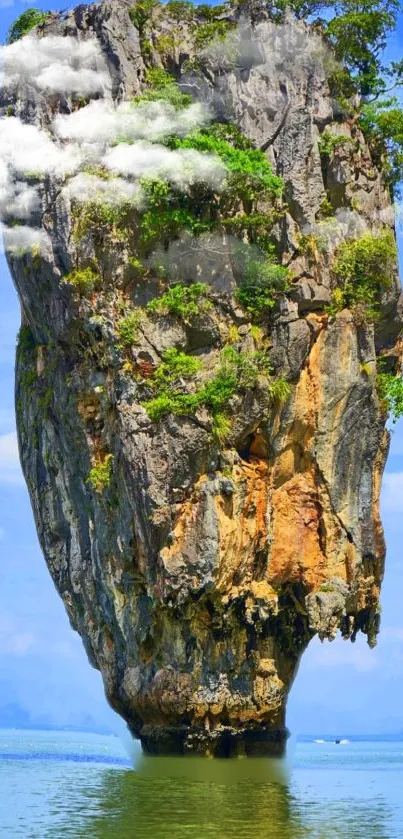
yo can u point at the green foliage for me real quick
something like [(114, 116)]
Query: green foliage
[(100, 475), (127, 329), (166, 403), (329, 142), (255, 227), (168, 379), (364, 267), (236, 371), (97, 172), (183, 301), (211, 12), (163, 87), (248, 365), (250, 173), (390, 391), (279, 390), (213, 30), (359, 32), (165, 44), (302, 9), (382, 125), (175, 365), (164, 225), (28, 378), (180, 10), (138, 268), (102, 219), (24, 23), (326, 209), (221, 426), (25, 342), (263, 280), (84, 280), (311, 245), (170, 211), (229, 133), (141, 13), (250, 179)]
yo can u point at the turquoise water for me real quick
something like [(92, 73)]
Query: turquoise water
[(84, 785)]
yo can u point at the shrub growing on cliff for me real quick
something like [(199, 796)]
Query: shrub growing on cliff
[(279, 390), (236, 371), (169, 211), (364, 267), (141, 13), (84, 280), (390, 391), (263, 280), (24, 23), (180, 10), (127, 329), (213, 30), (328, 142), (101, 219), (382, 125), (183, 301), (100, 476), (221, 426), (25, 342), (175, 365), (163, 86), (250, 173)]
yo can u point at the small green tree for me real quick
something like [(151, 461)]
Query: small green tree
[(390, 392), (183, 301), (382, 125), (364, 268), (24, 23), (163, 87), (263, 280), (359, 32)]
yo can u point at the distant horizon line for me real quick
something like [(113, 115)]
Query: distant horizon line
[(109, 731)]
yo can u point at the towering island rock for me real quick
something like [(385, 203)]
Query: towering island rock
[(204, 460)]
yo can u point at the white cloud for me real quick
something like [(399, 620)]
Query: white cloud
[(181, 167), (25, 149), (100, 122), (55, 64), (116, 191), (392, 492), (10, 469), (22, 239)]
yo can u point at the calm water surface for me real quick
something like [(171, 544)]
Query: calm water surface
[(84, 785)]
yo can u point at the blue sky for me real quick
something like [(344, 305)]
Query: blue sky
[(341, 687)]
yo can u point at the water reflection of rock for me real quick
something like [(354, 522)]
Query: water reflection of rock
[(170, 798), (173, 798)]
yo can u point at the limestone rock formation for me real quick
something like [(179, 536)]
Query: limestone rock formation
[(197, 564)]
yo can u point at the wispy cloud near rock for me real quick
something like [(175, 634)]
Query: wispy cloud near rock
[(55, 64), (10, 469)]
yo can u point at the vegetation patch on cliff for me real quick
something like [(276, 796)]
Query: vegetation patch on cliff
[(365, 268)]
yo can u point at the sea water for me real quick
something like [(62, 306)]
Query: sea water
[(63, 784)]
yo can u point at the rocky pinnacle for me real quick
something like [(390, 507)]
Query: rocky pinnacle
[(197, 566)]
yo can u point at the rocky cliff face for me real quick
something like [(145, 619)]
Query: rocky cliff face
[(197, 564)]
